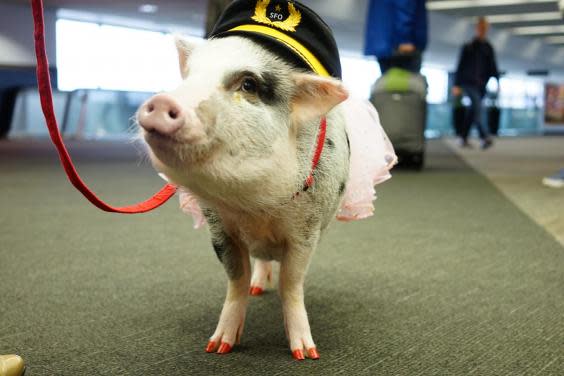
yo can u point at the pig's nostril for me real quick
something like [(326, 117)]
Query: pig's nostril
[(161, 115)]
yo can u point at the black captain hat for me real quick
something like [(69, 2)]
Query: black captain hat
[(292, 28)]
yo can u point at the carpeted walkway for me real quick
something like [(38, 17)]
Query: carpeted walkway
[(516, 167), (449, 278)]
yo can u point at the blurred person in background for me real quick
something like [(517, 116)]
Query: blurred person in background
[(476, 65), (396, 33), (215, 9)]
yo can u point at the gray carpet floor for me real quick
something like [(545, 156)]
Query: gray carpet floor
[(449, 278)]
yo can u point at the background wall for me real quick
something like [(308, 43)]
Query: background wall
[(17, 55), (16, 35)]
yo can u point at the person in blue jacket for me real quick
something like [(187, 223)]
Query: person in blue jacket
[(396, 33)]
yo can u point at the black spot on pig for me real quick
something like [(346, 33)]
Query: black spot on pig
[(330, 143), (342, 188), (348, 143), (267, 88), (229, 255), (211, 217), (254, 86), (219, 248)]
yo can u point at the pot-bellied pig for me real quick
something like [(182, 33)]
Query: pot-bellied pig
[(262, 146)]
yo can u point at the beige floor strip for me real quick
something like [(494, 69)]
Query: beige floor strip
[(516, 167)]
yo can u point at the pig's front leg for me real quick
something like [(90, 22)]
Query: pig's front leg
[(235, 259), (293, 269)]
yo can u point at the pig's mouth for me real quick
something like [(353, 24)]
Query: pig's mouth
[(165, 147), (177, 150), (155, 136)]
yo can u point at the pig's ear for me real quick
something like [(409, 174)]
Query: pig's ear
[(184, 50), (315, 96)]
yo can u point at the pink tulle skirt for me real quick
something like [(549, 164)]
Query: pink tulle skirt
[(372, 158)]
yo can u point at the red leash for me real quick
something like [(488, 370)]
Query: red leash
[(44, 83)]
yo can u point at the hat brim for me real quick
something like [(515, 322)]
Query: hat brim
[(289, 44)]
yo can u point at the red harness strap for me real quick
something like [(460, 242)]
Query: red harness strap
[(318, 150), (44, 83), (316, 157)]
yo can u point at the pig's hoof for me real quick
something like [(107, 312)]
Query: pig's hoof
[(229, 329), (298, 354), (262, 277), (224, 348), (311, 354), (302, 344), (212, 346), (256, 291)]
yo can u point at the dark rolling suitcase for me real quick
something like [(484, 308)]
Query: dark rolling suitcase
[(459, 112), (493, 119), (400, 98)]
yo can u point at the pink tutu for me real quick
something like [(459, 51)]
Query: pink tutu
[(372, 157), (189, 205)]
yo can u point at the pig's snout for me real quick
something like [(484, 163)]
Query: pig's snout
[(161, 114)]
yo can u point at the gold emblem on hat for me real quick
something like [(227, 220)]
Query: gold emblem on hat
[(289, 24)]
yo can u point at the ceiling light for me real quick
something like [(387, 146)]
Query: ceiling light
[(555, 40), (538, 30), (148, 8), (524, 17), (459, 4)]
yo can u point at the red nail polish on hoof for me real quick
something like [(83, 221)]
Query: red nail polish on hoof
[(225, 348), (211, 347), (298, 355), (256, 291), (313, 354)]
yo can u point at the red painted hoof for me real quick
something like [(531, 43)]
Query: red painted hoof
[(298, 355), (256, 291), (225, 348), (211, 347), (313, 354)]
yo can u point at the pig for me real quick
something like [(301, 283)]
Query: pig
[(240, 134)]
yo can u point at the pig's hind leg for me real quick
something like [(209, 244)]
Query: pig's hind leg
[(293, 268), (262, 276), (235, 258)]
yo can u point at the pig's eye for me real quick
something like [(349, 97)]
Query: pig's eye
[(249, 85)]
